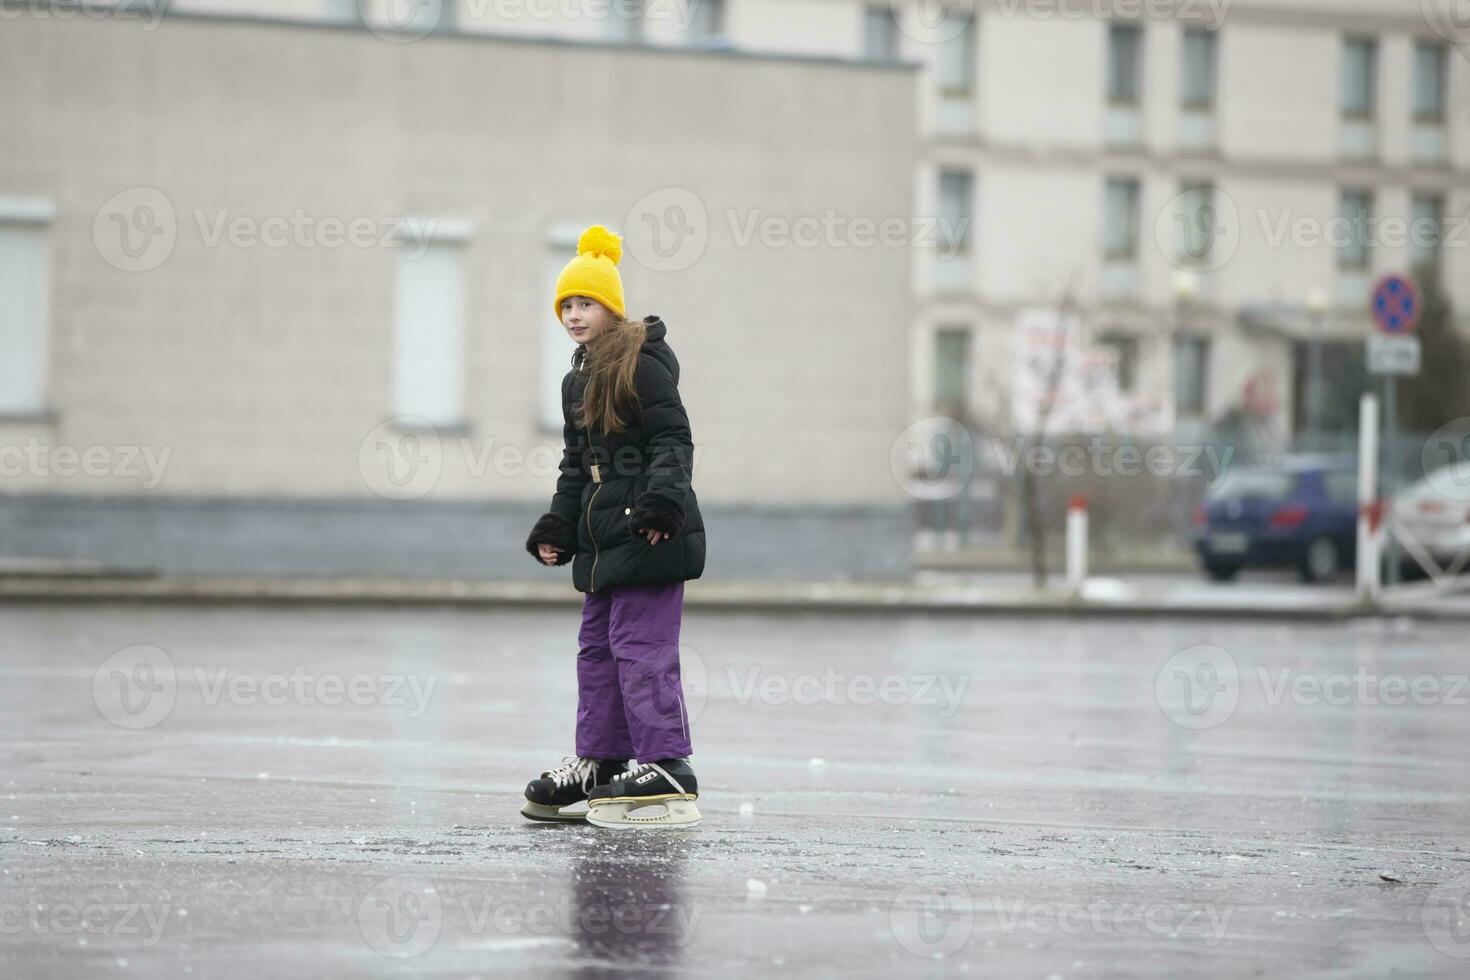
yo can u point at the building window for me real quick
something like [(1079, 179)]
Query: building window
[(1426, 231), (1197, 75), (706, 21), (956, 191), (1197, 223), (417, 16), (952, 369), (1356, 214), (625, 21), (1122, 120), (1191, 374), (1429, 82), (1120, 219), (1359, 77), (880, 32), (428, 333), (23, 317), (1125, 345), (1125, 46), (954, 64)]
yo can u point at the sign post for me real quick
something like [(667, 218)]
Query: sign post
[(1392, 351)]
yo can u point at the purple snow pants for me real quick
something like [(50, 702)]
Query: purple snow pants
[(629, 701)]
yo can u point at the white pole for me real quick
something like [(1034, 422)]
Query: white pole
[(1076, 541), (1368, 579)]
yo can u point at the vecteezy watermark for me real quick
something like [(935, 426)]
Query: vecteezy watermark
[(666, 230), (934, 458), (1362, 687), (40, 917), (831, 230), (834, 688), (403, 458), (137, 230), (403, 917), (1200, 229), (37, 459), (1446, 917), (932, 920), (1098, 458), (405, 21), (669, 229), (148, 11), (135, 687), (936, 22), (1446, 460), (138, 686), (1200, 687), (302, 230), (1100, 917), (1391, 231), (1207, 13), (666, 688), (1450, 19)]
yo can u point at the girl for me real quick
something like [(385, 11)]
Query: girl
[(624, 514)]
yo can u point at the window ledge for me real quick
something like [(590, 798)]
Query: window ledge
[(27, 210), (45, 416), (459, 428)]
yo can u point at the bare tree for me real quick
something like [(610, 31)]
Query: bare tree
[(1030, 483)]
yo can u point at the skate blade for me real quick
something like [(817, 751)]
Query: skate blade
[(572, 813), (673, 811)]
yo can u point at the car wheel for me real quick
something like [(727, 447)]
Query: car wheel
[(1321, 561), (1221, 572)]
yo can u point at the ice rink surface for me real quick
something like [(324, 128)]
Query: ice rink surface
[(276, 791)]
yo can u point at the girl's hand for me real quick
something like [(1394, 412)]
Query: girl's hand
[(549, 553), (653, 536)]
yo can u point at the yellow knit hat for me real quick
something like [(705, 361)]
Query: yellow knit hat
[(594, 272)]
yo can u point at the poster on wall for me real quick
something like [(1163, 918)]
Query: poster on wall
[(1086, 397)]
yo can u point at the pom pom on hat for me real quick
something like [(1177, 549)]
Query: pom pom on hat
[(597, 240)]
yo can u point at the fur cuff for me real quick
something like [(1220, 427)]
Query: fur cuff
[(554, 530), (657, 512)]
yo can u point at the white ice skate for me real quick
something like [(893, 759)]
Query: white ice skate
[(647, 795)]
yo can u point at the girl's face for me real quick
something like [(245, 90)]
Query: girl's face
[(584, 318)]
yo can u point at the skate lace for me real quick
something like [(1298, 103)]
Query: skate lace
[(639, 768), (573, 769)]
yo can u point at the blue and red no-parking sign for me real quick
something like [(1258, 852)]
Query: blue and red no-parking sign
[(1395, 304)]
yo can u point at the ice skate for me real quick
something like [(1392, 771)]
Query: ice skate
[(559, 794), (648, 794)]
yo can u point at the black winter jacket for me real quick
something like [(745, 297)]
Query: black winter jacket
[(610, 485)]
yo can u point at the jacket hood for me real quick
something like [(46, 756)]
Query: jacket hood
[(656, 346)]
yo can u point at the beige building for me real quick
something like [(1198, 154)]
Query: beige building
[(276, 296)]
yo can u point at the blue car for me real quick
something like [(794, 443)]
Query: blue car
[(1300, 513)]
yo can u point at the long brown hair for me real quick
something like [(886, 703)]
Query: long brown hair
[(610, 361)]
